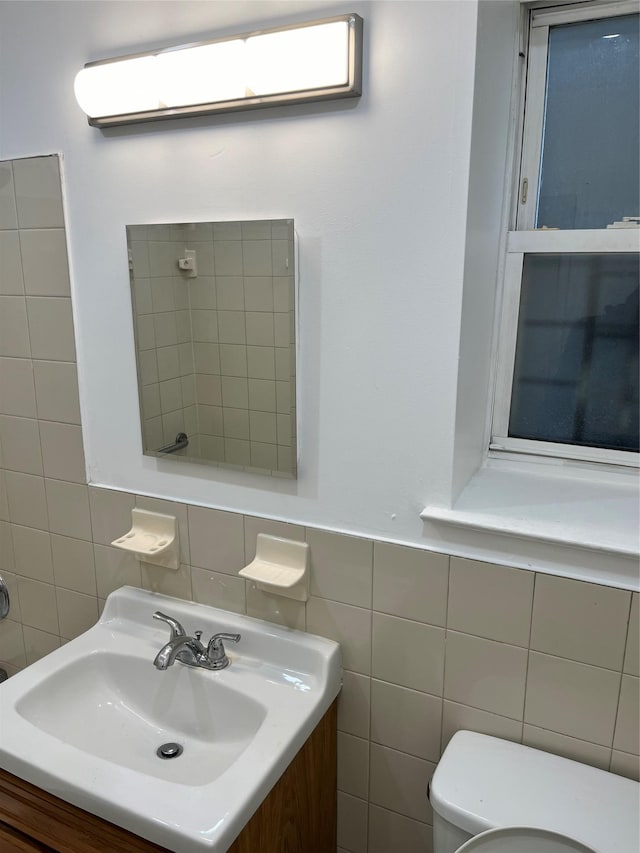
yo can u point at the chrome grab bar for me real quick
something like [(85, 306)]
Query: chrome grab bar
[(5, 602), (182, 441)]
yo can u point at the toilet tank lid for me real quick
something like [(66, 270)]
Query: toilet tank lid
[(483, 782)]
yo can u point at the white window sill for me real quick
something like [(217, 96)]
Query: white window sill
[(576, 524)]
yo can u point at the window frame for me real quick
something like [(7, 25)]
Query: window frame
[(522, 238)]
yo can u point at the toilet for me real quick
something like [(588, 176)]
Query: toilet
[(493, 796)]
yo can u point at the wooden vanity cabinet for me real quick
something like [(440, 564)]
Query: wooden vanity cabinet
[(297, 816)]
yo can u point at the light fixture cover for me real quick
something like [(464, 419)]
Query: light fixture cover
[(318, 60)]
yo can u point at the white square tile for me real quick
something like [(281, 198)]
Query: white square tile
[(581, 621), (567, 747), (236, 423), (282, 257), (260, 362), (264, 455), (216, 540), (44, 262), (51, 328), (163, 258), (256, 230), (219, 590), (627, 733), (399, 782), (17, 389), (485, 674), (572, 698), (347, 625), (173, 582), (8, 214), (168, 363), (73, 564), (38, 605), (20, 439), (11, 281), (230, 292), (353, 765), (233, 359), (57, 391), (235, 392), (258, 293), (632, 653), (625, 764), (406, 720), (110, 514), (38, 643), (14, 329), (170, 395), (490, 601), (237, 451), (259, 329), (389, 831), (262, 395), (32, 553), (62, 451), (201, 292), (7, 558), (410, 583), (407, 653), (354, 701), (68, 505), (341, 567), (352, 823), (76, 612), (12, 650), (228, 257), (206, 357), (208, 390), (26, 499), (275, 608), (262, 427), (256, 257), (115, 568), (456, 717)]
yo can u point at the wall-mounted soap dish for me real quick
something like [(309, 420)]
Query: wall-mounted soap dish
[(153, 538), (281, 567)]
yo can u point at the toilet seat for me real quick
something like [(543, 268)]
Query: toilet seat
[(522, 839)]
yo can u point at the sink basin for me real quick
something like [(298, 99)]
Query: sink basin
[(85, 723)]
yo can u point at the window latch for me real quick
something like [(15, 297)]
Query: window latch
[(524, 190)]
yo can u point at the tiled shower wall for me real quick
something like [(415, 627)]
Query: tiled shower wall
[(430, 643)]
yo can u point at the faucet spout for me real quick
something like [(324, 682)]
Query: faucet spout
[(185, 649)]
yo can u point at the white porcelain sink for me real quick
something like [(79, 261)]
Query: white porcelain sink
[(85, 722)]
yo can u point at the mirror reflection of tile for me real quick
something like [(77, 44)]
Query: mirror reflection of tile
[(214, 319)]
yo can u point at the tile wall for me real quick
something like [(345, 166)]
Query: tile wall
[(430, 643), (216, 353)]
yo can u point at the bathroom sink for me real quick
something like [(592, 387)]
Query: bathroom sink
[(86, 722)]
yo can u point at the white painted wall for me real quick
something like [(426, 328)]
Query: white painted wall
[(378, 190)]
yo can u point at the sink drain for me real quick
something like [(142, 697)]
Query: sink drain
[(169, 750)]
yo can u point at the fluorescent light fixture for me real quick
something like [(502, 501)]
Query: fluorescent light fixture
[(319, 60)]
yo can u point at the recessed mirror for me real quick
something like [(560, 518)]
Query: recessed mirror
[(214, 319)]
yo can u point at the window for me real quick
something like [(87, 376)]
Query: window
[(568, 376)]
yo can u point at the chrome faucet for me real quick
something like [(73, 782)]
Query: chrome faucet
[(189, 650)]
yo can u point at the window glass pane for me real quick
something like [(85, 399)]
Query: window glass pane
[(576, 368), (590, 163)]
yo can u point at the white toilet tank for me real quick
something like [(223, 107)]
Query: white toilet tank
[(483, 782)]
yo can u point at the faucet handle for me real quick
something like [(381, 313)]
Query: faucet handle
[(215, 647), (176, 628)]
